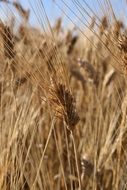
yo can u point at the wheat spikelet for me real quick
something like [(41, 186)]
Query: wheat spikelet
[(64, 103), (22, 11), (57, 26), (71, 44), (122, 45), (117, 28), (103, 25), (108, 78), (87, 166), (89, 69)]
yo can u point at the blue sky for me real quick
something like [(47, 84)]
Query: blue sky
[(54, 12)]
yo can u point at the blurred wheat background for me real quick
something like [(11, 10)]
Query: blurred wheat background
[(63, 96)]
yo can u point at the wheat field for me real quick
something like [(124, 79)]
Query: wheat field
[(63, 99)]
